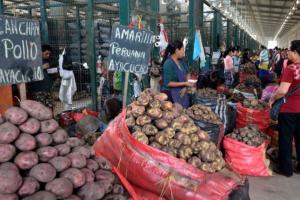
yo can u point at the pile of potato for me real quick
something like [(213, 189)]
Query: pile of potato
[(38, 160), (255, 104), (207, 92), (250, 135), (249, 69), (161, 124), (204, 113)]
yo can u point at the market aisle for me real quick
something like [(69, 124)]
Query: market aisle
[(275, 188)]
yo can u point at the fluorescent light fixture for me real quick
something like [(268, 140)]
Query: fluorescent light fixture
[(294, 8), (298, 2)]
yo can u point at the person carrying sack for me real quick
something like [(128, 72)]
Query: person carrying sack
[(287, 103)]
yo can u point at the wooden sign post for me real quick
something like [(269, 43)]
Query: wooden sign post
[(130, 51)]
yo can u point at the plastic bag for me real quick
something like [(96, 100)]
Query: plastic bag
[(245, 159), (231, 118), (247, 116), (214, 131), (157, 171)]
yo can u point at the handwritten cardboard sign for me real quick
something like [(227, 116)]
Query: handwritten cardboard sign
[(130, 49), (20, 51)]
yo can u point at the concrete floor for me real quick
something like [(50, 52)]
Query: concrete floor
[(276, 187)]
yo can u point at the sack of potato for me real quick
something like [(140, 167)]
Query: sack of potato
[(156, 140), (208, 121), (253, 112), (38, 160), (245, 151), (207, 97)]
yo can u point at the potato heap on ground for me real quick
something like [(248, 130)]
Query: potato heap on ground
[(255, 104), (207, 92), (161, 124), (250, 135), (204, 113), (249, 69), (38, 160)]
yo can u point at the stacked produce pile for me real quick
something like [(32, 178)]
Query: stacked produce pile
[(155, 121), (249, 69), (255, 104), (204, 113), (250, 135), (207, 92), (43, 97), (39, 161)]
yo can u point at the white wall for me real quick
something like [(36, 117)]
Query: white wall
[(293, 34)]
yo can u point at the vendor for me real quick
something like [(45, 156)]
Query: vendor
[(175, 74), (228, 68), (289, 116)]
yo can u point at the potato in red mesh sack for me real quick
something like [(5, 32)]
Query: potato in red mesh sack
[(246, 116), (159, 172), (246, 159)]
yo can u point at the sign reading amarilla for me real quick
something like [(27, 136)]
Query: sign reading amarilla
[(130, 49), (20, 50)]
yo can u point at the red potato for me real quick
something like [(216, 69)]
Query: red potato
[(10, 182), (89, 175), (77, 160), (75, 176), (25, 142), (9, 166), (43, 139), (31, 126), (30, 186), (43, 172), (36, 110), (103, 163), (41, 195), (74, 142), (49, 126), (104, 175), (46, 153), (90, 191), (26, 160), (73, 197), (7, 152), (61, 187), (60, 136), (16, 115), (63, 149), (83, 150), (60, 163), (107, 185), (8, 133), (92, 165), (118, 189), (9, 197)]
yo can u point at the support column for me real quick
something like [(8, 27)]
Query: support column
[(44, 24), (236, 39), (153, 25), (78, 26), (216, 31), (91, 51), (241, 38), (1, 7), (124, 14), (191, 31), (228, 34)]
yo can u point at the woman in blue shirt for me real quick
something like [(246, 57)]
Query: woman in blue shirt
[(175, 73)]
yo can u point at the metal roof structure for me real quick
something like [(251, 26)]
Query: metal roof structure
[(263, 19)]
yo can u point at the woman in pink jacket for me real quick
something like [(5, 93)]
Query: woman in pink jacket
[(228, 68)]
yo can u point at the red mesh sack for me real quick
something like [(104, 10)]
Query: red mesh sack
[(247, 116), (158, 172), (245, 159)]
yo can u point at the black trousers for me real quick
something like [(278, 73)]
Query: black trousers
[(289, 128)]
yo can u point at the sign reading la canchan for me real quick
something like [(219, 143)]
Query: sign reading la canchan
[(20, 51), (130, 49)]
